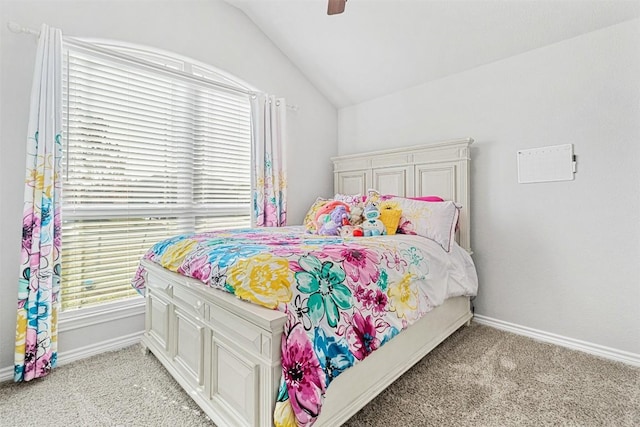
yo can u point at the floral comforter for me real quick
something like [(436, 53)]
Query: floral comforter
[(344, 297)]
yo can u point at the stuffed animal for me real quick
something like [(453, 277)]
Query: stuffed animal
[(336, 220), (355, 216), (324, 213), (347, 231), (372, 226), (390, 214)]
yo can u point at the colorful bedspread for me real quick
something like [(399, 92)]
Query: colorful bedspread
[(344, 297)]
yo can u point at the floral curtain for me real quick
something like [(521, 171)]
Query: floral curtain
[(39, 282), (269, 171)]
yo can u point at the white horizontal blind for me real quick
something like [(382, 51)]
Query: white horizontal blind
[(147, 155)]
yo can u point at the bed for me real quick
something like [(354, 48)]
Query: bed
[(228, 353)]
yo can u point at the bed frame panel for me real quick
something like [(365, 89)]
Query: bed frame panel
[(226, 353)]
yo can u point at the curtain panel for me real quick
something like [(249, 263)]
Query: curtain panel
[(268, 126), (39, 281)]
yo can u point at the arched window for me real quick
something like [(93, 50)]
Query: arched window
[(154, 145)]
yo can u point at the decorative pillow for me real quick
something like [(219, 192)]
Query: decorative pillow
[(310, 217), (433, 220), (428, 198), (350, 199), (423, 198)]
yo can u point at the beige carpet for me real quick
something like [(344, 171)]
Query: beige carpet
[(478, 377)]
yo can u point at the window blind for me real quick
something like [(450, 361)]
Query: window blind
[(147, 155)]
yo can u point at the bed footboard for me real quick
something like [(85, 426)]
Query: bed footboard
[(225, 353)]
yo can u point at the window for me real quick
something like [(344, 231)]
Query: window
[(148, 153)]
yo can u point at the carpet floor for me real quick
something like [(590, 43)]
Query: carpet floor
[(479, 376)]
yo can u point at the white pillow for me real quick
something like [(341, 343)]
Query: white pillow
[(433, 220)]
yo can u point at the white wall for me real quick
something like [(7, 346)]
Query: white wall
[(210, 31), (562, 257)]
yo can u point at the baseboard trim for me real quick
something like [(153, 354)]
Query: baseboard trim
[(6, 374), (74, 355), (584, 346), (98, 348)]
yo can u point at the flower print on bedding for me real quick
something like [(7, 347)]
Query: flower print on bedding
[(303, 375), (226, 254), (360, 264), (344, 297), (263, 279), (323, 281), (333, 354), (404, 299)]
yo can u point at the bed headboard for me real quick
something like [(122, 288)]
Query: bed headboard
[(438, 169)]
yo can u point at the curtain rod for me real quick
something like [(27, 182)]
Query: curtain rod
[(17, 28)]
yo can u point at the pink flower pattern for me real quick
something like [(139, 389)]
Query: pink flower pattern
[(362, 336), (197, 267), (360, 263), (303, 375)]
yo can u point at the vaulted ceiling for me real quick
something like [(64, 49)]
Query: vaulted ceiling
[(377, 47)]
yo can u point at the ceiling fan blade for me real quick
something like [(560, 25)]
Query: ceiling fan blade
[(336, 6)]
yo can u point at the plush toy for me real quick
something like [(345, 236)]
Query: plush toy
[(347, 231), (324, 213), (336, 220), (372, 226), (355, 216), (390, 215)]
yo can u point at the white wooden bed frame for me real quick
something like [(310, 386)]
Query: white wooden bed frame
[(226, 353)]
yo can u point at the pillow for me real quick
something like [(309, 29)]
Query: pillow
[(359, 199), (350, 199), (423, 198), (310, 217), (428, 198), (433, 220), (433, 199)]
